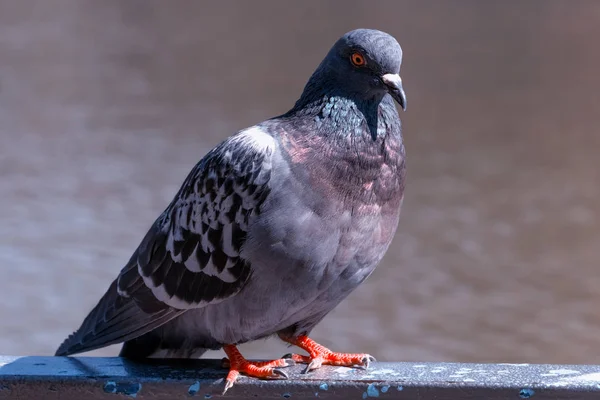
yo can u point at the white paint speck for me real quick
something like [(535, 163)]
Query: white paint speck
[(515, 365), (342, 370), (593, 377), (462, 372), (387, 371), (560, 383), (564, 371)]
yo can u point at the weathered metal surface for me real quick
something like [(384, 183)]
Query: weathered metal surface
[(114, 378)]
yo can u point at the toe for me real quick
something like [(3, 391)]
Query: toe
[(348, 360), (263, 372), (297, 358), (282, 363)]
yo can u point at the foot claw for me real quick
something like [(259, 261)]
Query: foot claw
[(228, 385), (315, 363), (279, 374), (366, 361), (288, 362)]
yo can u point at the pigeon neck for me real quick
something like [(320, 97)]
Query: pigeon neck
[(338, 114)]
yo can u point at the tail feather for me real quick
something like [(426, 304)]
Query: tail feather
[(154, 345), (115, 319)]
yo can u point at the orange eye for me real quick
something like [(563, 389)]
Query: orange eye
[(357, 59)]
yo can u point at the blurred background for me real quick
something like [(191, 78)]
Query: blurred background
[(106, 106)]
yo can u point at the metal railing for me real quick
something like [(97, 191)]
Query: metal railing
[(113, 378)]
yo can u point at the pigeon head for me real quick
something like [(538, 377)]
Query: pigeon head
[(363, 65)]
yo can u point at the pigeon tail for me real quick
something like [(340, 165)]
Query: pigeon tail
[(114, 319)]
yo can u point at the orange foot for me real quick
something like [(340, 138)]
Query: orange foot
[(321, 355), (259, 369)]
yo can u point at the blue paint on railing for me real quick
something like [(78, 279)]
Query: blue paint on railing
[(127, 388)]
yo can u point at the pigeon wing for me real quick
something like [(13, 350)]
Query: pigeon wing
[(191, 256)]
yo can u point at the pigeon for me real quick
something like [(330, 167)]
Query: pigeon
[(272, 228)]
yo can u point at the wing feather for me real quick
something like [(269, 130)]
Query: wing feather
[(190, 257), (203, 230), (115, 319)]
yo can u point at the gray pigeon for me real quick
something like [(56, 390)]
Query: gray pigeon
[(273, 228)]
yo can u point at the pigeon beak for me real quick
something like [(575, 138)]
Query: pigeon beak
[(394, 85)]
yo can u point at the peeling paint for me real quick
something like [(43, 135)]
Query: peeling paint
[(324, 386), (127, 388), (372, 391), (399, 388), (526, 393), (385, 388), (194, 388)]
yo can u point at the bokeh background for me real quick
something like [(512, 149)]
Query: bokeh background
[(106, 105)]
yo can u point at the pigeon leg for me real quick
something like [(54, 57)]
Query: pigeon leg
[(259, 369), (321, 355)]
